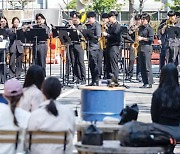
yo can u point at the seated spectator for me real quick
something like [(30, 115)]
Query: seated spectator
[(52, 116), (165, 104), (32, 95), (11, 116)]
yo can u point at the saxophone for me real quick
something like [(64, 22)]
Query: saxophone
[(135, 45), (102, 39)]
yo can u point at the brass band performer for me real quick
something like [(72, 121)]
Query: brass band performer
[(112, 48), (145, 38), (16, 50), (39, 56), (94, 47), (133, 52), (3, 66), (76, 50)]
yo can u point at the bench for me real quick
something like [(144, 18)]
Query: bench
[(45, 137), (10, 136), (113, 147), (110, 131)]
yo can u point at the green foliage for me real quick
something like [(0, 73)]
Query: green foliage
[(98, 6), (72, 5), (175, 6)]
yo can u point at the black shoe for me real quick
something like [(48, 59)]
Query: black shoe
[(83, 82), (146, 86), (76, 81), (92, 84)]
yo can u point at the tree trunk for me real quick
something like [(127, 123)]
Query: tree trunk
[(131, 11), (141, 2)]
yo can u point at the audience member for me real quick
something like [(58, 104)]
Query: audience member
[(52, 116), (11, 116), (32, 95), (165, 105)]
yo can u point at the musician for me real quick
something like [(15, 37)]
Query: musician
[(76, 51), (112, 46), (3, 66), (104, 27), (16, 50), (94, 47), (163, 31), (145, 38), (132, 57), (40, 52)]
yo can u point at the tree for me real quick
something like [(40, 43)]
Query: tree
[(141, 5), (98, 6), (131, 11), (175, 6), (22, 3)]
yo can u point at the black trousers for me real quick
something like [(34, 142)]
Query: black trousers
[(112, 56), (94, 64), (77, 61), (39, 55), (131, 62), (3, 66), (145, 52), (100, 60), (15, 64)]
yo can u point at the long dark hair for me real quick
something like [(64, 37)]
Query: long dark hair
[(51, 88), (3, 17), (169, 86), (13, 103), (35, 75)]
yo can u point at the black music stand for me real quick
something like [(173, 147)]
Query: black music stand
[(3, 46), (35, 35), (65, 40), (89, 36), (20, 35), (126, 39)]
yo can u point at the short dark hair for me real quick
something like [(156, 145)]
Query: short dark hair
[(91, 14), (42, 16), (35, 75), (75, 14), (171, 13), (112, 13), (137, 17), (104, 15), (146, 16)]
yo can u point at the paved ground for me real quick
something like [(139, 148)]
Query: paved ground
[(71, 95)]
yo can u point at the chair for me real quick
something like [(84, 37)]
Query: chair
[(10, 136), (46, 137)]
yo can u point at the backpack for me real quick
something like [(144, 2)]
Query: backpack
[(138, 134)]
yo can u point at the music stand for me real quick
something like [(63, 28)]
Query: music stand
[(20, 35), (89, 36), (65, 40), (3, 46), (126, 39), (35, 35)]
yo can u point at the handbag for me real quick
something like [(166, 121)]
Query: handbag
[(138, 134), (129, 113), (92, 136)]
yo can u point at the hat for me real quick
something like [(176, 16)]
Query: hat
[(12, 87)]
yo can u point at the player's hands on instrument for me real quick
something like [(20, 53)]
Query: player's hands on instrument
[(104, 34)]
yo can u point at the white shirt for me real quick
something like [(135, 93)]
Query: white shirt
[(7, 123), (42, 120), (31, 99)]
